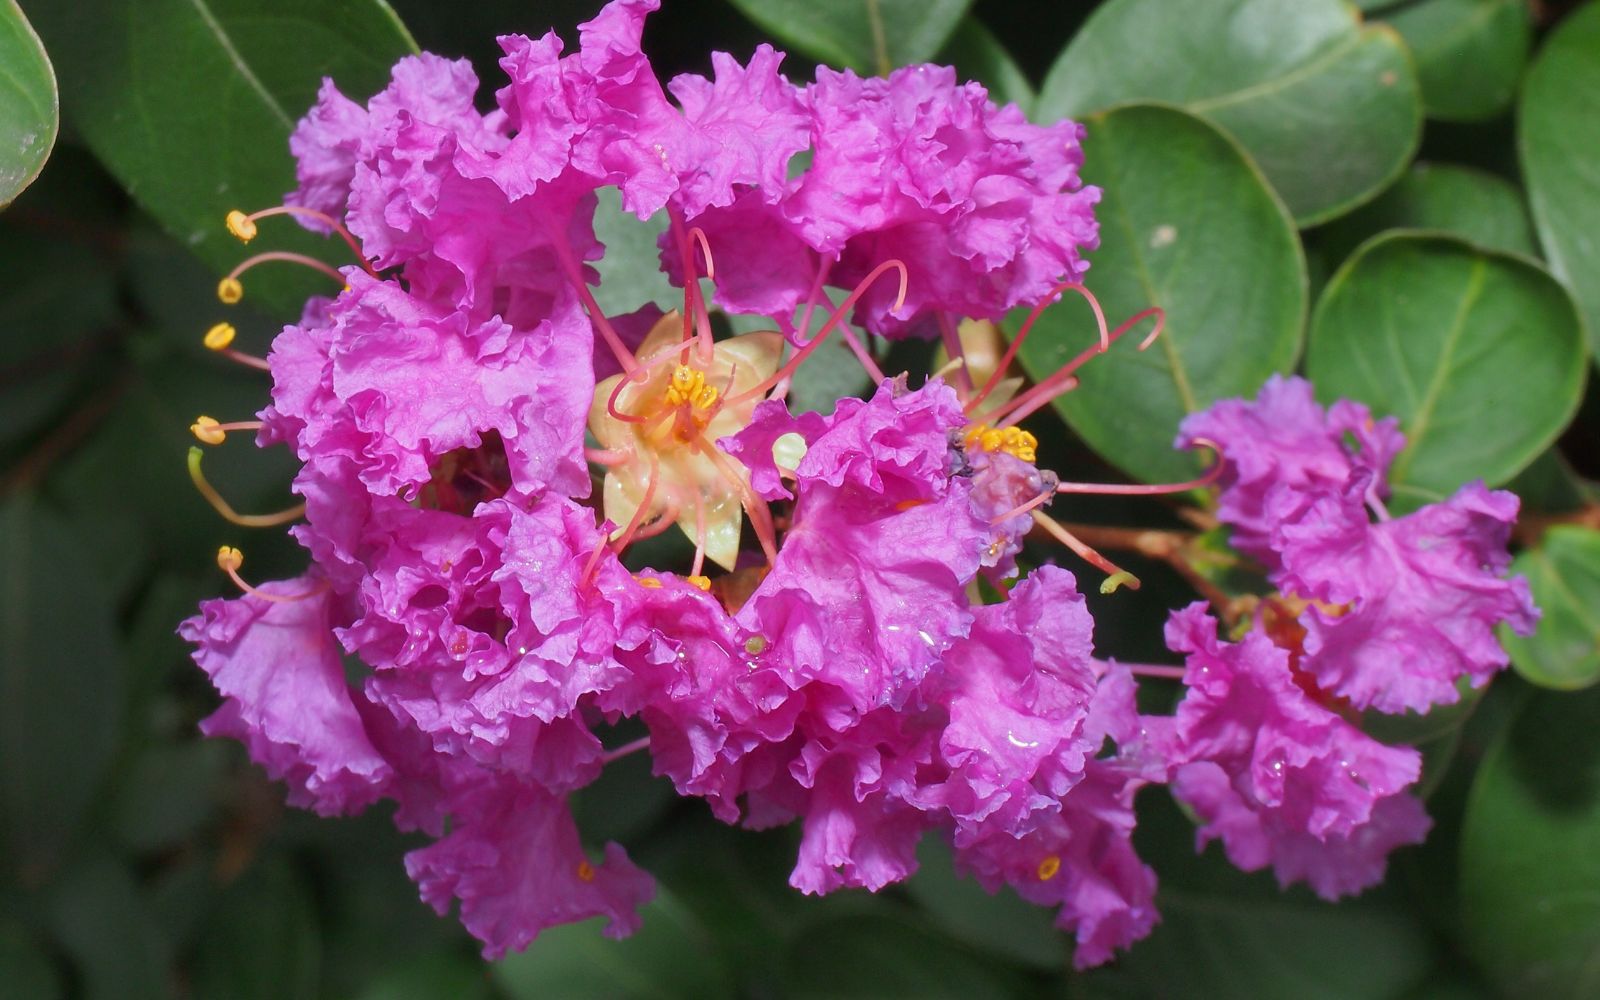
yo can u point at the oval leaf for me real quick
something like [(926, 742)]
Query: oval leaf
[(1563, 571), (1555, 134), (1480, 355), (1187, 224), (1530, 893), (1003, 923), (1328, 107), (190, 104), (978, 55), (1472, 204), (869, 36), (29, 116), (1469, 54)]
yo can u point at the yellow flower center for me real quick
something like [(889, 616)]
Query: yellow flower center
[(1012, 440)]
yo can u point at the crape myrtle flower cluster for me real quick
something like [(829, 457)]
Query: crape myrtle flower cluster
[(482, 447)]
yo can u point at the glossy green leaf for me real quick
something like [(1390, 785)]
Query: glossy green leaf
[(1327, 106), (26, 966), (28, 104), (669, 956), (1549, 485), (1480, 355), (1530, 852), (630, 272), (168, 794), (869, 36), (190, 104), (1472, 204), (433, 976), (978, 55), (1002, 924), (1563, 571), (1187, 224), (60, 672), (261, 941), (1556, 136), (1469, 53)]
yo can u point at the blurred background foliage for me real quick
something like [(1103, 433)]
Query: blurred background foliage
[(1404, 198)]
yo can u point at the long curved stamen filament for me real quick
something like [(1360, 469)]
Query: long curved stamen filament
[(699, 534), (209, 431), (863, 356), (643, 510), (823, 267), (230, 290), (760, 514), (1154, 670), (833, 321), (1116, 576), (597, 316), (699, 236), (661, 525), (1027, 327), (1136, 490), (956, 350), (244, 227), (1043, 497), (642, 743), (1062, 380), (222, 507), (696, 319), (609, 456), (220, 339), (229, 559)]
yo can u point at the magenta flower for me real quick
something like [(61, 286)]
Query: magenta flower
[(1272, 774)]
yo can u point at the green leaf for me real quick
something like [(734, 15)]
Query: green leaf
[(1469, 53), (101, 923), (1555, 134), (669, 956), (1549, 485), (1002, 924), (1187, 224), (1479, 353), (869, 36), (1326, 105), (978, 55), (430, 976), (168, 794), (29, 116), (25, 966), (190, 104), (1472, 204), (261, 941), (888, 956), (60, 674), (1563, 571), (1530, 884), (630, 271)]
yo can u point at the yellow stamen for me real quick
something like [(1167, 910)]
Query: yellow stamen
[(649, 582), (688, 385), (229, 290), (208, 430), (242, 226), (219, 337), (1048, 868), (703, 582), (586, 871), (1012, 440), (229, 559), (1110, 584), (755, 645), (909, 504)]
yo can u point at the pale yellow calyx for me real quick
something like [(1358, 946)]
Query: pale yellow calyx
[(1011, 440), (668, 417)]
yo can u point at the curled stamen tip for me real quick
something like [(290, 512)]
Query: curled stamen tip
[(242, 226), (229, 290), (229, 559), (208, 430), (219, 337), (703, 582), (905, 280), (1118, 579)]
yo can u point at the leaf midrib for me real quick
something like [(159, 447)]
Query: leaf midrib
[(1304, 71), (1419, 425), (243, 68)]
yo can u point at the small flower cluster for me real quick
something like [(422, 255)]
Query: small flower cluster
[(476, 467)]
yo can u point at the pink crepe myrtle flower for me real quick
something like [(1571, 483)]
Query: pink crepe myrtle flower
[(1273, 774)]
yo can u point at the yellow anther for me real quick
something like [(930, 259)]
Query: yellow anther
[(649, 582), (586, 871), (1011, 440), (1110, 584), (208, 430), (230, 291), (242, 226), (1048, 868), (703, 582), (909, 504), (704, 397), (755, 645), (220, 336), (229, 559), (688, 385)]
